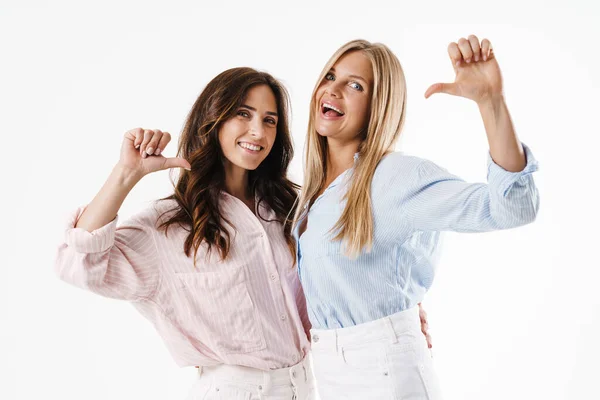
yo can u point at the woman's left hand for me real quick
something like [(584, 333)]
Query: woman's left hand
[(424, 325), (478, 75)]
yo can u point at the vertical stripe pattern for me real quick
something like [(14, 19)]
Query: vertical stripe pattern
[(248, 310), (413, 201)]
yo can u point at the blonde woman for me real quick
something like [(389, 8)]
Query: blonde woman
[(369, 218)]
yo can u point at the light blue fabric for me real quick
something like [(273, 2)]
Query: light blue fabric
[(413, 200)]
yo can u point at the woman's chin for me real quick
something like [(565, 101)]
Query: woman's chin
[(326, 131)]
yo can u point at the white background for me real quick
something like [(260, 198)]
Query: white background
[(514, 314)]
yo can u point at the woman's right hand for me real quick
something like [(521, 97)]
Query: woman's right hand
[(140, 155), (141, 152)]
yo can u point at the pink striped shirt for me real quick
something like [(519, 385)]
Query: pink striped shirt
[(248, 310)]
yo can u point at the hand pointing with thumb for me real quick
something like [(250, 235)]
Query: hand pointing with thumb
[(478, 75), (141, 152)]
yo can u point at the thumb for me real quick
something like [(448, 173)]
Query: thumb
[(176, 162), (448, 88)]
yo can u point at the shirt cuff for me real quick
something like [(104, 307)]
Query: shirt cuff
[(503, 180), (82, 241)]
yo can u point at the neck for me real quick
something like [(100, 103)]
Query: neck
[(236, 182), (340, 156)]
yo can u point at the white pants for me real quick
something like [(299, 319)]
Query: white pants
[(383, 359), (233, 382)]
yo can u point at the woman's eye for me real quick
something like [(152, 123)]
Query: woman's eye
[(271, 121), (329, 77), (243, 114), (356, 86)]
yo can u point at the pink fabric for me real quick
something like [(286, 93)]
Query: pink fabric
[(249, 310)]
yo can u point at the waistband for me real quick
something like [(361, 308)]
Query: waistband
[(296, 375), (403, 324)]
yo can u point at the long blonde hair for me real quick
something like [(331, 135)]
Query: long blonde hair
[(387, 108)]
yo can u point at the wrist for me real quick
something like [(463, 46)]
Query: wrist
[(126, 177), (492, 102)]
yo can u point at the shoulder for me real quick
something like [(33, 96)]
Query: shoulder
[(398, 164), (155, 213), (407, 172)]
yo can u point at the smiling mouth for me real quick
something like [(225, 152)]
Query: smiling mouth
[(249, 146), (331, 111)]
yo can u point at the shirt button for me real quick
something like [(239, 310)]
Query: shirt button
[(293, 374), (295, 358), (282, 317), (273, 277), (259, 387), (315, 338)]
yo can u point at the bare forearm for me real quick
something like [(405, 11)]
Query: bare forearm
[(105, 206), (505, 147)]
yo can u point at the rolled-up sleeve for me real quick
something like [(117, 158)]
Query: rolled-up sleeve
[(502, 181), (114, 261)]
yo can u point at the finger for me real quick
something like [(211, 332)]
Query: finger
[(465, 49), (486, 49), (474, 42), (134, 135), (454, 53), (153, 144), (139, 138), (448, 88), (429, 341), (166, 138), (176, 162), (147, 137)]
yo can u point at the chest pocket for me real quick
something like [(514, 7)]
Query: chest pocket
[(221, 310)]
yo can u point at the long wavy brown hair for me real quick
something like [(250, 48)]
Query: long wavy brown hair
[(197, 192)]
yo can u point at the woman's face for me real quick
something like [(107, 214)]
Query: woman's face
[(247, 138), (343, 98)]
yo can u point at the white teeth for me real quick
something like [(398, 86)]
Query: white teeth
[(250, 146), (329, 106)]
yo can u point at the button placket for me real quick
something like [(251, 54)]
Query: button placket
[(270, 265), (276, 290)]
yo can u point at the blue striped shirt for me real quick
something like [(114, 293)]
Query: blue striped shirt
[(413, 200)]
